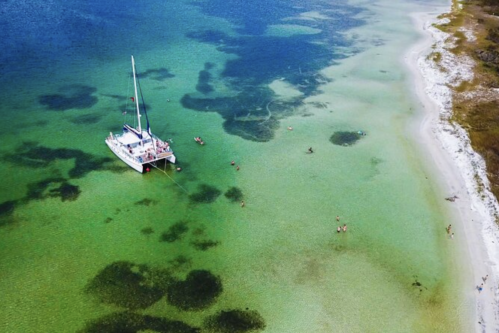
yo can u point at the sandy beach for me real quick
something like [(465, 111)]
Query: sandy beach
[(462, 171)]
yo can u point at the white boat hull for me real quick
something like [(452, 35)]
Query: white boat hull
[(135, 146), (131, 163), (119, 150)]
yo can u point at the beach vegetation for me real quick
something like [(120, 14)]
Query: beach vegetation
[(234, 321), (458, 40), (175, 232), (474, 102), (436, 57), (465, 86), (198, 291)]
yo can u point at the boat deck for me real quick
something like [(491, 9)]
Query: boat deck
[(150, 150)]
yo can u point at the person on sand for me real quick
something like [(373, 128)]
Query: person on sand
[(338, 230), (480, 288), (344, 228), (485, 278), (449, 229), (452, 236)]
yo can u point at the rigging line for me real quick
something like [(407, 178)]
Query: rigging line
[(143, 102), (173, 180), (125, 112)]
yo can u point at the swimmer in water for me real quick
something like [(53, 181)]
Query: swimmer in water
[(232, 163), (310, 150), (338, 230), (344, 228)]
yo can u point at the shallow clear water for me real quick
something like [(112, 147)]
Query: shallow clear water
[(320, 68)]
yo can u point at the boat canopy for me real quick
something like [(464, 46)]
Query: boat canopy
[(129, 138)]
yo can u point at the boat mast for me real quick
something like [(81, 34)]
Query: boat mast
[(136, 97)]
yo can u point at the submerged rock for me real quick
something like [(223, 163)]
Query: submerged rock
[(128, 285), (234, 321), (204, 245), (234, 194), (345, 138), (70, 97), (67, 192), (174, 233), (147, 231), (129, 322), (205, 194), (199, 291)]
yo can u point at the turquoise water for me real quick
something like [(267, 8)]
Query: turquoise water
[(89, 245)]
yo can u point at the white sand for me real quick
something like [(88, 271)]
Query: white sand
[(463, 170)]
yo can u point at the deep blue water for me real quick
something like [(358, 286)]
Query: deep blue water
[(45, 41)]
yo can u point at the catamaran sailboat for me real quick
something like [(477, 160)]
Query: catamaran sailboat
[(136, 147)]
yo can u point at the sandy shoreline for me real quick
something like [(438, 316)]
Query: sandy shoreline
[(461, 169)]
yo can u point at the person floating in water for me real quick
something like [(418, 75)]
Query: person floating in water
[(242, 203), (310, 150), (344, 228), (237, 168), (338, 230), (232, 163), (337, 218)]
